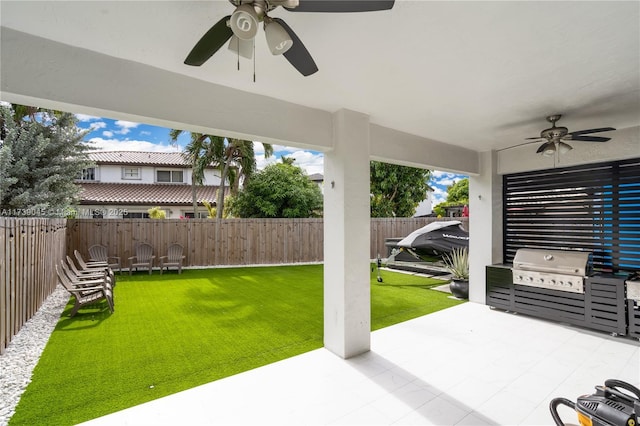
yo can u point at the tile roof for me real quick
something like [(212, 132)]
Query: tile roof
[(317, 177), (143, 194), (139, 158)]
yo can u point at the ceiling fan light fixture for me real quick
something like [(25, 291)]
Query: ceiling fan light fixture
[(241, 47), (278, 39), (244, 22), (563, 148), (549, 149)]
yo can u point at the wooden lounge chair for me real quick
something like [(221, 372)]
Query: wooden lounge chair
[(90, 263), (100, 253), (87, 294), (143, 258), (94, 266), (85, 280), (91, 273), (174, 257)]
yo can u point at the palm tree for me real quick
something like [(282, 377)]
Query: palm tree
[(235, 159), (238, 163), (197, 153)]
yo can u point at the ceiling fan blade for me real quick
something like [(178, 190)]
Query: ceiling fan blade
[(584, 132), (588, 138), (341, 6), (543, 147), (241, 47), (515, 146), (298, 55), (534, 139), (210, 43)]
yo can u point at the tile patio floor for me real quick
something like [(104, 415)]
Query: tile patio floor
[(466, 365)]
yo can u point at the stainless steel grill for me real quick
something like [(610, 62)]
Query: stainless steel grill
[(563, 270)]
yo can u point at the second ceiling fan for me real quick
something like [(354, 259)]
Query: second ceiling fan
[(242, 26), (556, 137)]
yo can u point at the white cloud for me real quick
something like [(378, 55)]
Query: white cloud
[(439, 195), (311, 162), (125, 126), (85, 117), (97, 125), (258, 148), (107, 133), (444, 178), (129, 145), (145, 133)]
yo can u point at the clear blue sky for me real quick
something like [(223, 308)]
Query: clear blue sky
[(118, 135)]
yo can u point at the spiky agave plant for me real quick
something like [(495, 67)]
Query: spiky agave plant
[(457, 262)]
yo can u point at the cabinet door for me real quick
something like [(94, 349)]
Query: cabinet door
[(499, 288), (605, 305)]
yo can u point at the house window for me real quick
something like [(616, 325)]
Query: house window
[(131, 173), (88, 174), (169, 176), (134, 215), (201, 215)]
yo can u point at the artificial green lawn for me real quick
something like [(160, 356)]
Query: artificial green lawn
[(173, 332)]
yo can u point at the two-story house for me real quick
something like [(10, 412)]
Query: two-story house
[(125, 184)]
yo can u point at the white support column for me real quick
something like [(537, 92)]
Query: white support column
[(347, 292), (485, 224)]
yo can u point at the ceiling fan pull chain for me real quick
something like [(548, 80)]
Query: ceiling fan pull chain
[(238, 51), (254, 60)]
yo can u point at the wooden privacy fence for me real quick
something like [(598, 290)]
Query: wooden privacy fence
[(29, 249), (207, 242), (210, 242)]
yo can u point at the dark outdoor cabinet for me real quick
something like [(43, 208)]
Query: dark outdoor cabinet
[(499, 287), (605, 304), (633, 316), (601, 307)]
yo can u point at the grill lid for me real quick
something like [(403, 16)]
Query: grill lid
[(553, 261)]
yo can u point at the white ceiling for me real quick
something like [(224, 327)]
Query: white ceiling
[(481, 75)]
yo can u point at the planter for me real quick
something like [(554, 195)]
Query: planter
[(459, 288)]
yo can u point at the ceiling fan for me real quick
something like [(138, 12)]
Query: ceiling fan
[(556, 136), (242, 25)]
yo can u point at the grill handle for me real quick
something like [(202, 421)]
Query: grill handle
[(555, 270)]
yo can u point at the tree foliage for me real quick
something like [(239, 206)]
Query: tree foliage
[(279, 190), (235, 158), (397, 190), (457, 194), (157, 213), (41, 155)]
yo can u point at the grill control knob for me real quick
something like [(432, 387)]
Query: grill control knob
[(552, 281)]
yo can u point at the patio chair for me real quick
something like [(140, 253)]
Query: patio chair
[(94, 265), (100, 253), (143, 258), (85, 295), (82, 281), (174, 257), (91, 273), (89, 263)]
